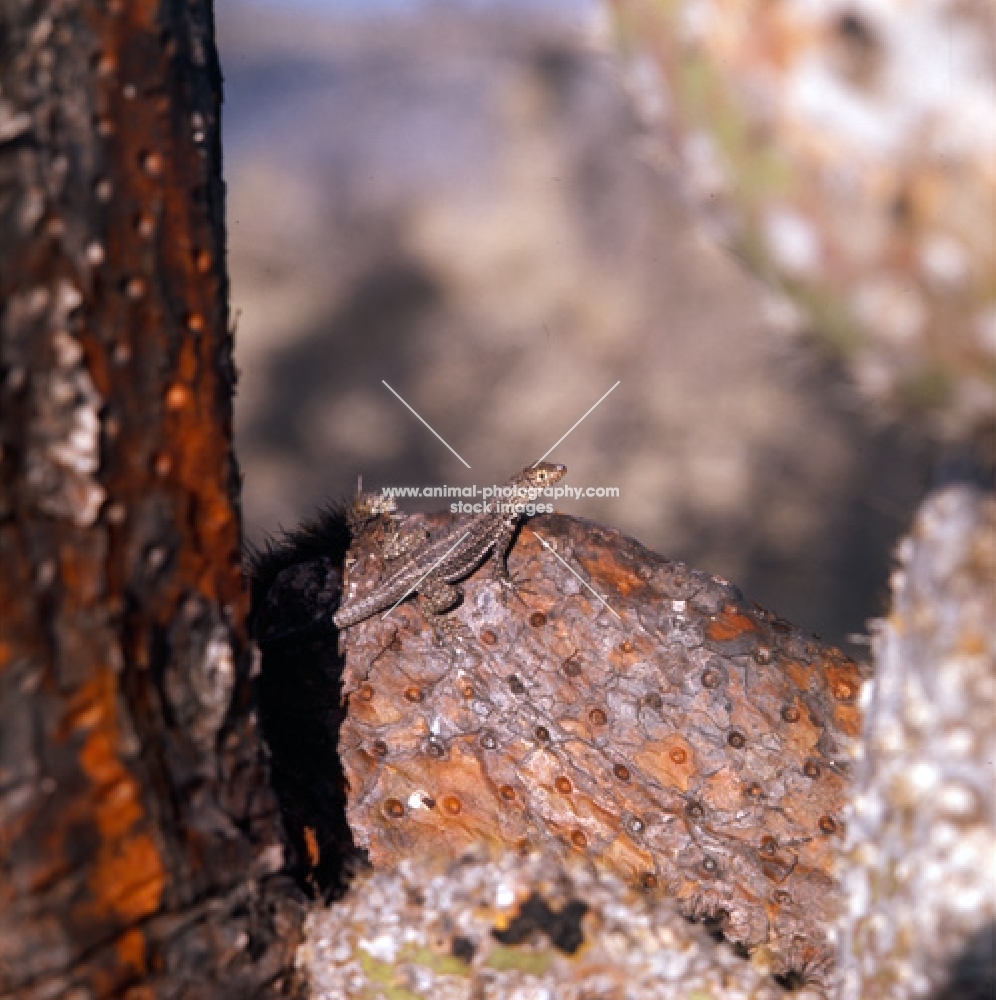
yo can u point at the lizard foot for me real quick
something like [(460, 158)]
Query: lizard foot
[(513, 588), (450, 631)]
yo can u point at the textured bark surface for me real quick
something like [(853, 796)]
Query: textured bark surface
[(679, 737), (920, 869), (138, 838)]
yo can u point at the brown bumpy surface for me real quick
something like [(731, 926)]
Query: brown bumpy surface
[(695, 745)]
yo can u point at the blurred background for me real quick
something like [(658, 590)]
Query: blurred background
[(462, 200)]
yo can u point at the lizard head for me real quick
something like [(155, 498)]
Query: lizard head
[(537, 477)]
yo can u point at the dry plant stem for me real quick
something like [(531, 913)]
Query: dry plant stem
[(695, 745), (138, 840)]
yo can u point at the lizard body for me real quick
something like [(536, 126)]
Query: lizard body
[(432, 568)]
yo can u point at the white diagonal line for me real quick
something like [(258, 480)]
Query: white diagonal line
[(571, 568), (414, 586), (441, 437), (547, 452)]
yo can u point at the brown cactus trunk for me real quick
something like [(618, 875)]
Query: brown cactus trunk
[(139, 844)]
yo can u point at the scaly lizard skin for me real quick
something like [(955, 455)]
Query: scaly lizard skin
[(433, 567)]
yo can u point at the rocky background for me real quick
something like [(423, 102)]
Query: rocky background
[(466, 204)]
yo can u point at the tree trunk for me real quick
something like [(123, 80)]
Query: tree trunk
[(140, 846)]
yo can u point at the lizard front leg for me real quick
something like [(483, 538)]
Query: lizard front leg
[(436, 596), (499, 562), (499, 554)]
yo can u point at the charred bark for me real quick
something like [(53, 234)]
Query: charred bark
[(140, 846)]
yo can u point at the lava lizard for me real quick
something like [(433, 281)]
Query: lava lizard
[(433, 567)]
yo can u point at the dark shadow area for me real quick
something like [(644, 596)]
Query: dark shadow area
[(972, 975), (563, 927), (295, 585)]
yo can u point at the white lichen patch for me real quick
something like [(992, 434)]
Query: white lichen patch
[(428, 930), (64, 410), (921, 869)]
